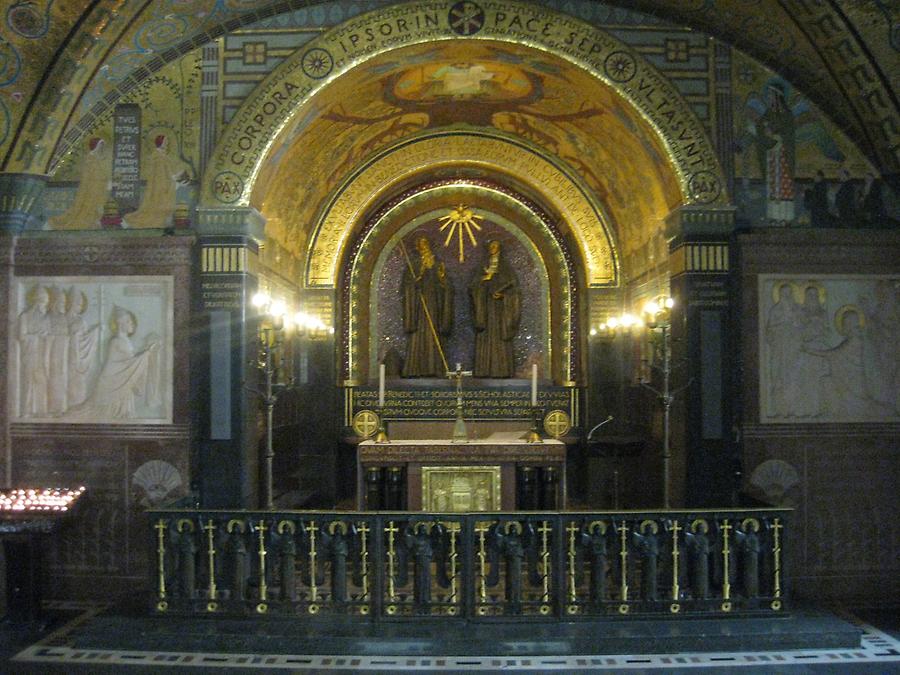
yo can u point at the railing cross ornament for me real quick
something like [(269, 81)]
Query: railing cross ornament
[(623, 554), (676, 590), (572, 530), (263, 588), (211, 553), (391, 530), (726, 552), (160, 527), (311, 529)]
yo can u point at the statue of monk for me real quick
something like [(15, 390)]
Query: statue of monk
[(496, 311), (425, 286)]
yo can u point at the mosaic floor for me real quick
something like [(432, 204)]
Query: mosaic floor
[(879, 653)]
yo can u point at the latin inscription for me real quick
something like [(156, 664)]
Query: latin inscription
[(222, 294), (478, 404), (127, 156), (261, 119)]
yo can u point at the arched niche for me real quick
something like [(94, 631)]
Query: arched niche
[(552, 288), (581, 216)]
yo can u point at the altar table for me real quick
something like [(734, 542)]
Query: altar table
[(474, 475)]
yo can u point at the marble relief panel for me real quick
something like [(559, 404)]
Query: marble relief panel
[(91, 350), (828, 349)]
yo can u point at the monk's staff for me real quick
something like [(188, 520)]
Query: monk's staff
[(434, 334)]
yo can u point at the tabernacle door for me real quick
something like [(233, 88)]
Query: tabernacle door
[(475, 475)]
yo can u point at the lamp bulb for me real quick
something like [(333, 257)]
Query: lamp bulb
[(278, 308), (261, 299)]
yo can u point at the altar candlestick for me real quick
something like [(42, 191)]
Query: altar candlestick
[(381, 385), (533, 385)]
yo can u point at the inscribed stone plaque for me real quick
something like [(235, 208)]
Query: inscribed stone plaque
[(127, 156)]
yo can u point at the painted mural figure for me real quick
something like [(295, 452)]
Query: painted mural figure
[(775, 132), (778, 122), (33, 330), (83, 344), (57, 353), (93, 188), (496, 312), (782, 336), (427, 301), (164, 173), (128, 376)]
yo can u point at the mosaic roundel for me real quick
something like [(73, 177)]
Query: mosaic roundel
[(317, 63), (620, 66), (228, 187), (466, 18), (26, 20), (704, 187)]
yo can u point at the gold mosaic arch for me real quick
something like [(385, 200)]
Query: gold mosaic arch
[(252, 132), (564, 193)]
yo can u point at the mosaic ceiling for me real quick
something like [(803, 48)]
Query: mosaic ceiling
[(62, 63), (560, 110)]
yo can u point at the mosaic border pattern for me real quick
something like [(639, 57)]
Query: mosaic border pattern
[(876, 647)]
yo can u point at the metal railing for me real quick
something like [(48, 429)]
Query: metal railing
[(528, 565)]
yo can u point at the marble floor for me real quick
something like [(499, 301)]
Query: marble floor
[(60, 648)]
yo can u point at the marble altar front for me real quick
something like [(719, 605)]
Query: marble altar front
[(477, 475)]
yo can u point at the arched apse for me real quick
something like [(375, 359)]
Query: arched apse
[(281, 101)]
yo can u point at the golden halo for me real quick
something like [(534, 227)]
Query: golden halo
[(654, 526), (841, 314)]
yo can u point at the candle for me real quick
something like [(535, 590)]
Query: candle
[(381, 385), (534, 385)]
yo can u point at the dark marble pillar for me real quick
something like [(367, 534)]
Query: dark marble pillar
[(704, 458), (224, 343)]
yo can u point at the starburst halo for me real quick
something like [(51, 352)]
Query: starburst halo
[(462, 222)]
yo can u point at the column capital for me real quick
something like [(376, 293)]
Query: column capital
[(691, 223), (20, 201), (243, 221)]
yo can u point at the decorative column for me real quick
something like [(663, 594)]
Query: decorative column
[(704, 462), (224, 344)]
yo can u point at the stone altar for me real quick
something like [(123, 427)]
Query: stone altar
[(477, 475)]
